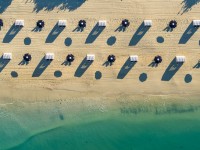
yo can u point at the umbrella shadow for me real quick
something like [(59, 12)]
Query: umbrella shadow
[(54, 33), (197, 65), (36, 29), (43, 64), (11, 33), (121, 28), (23, 62), (188, 78), (141, 31), (60, 4), (96, 31), (189, 32), (143, 77), (3, 63), (128, 65), (85, 64), (98, 75), (171, 70), (4, 5)]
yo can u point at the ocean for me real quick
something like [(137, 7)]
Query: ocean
[(142, 127)]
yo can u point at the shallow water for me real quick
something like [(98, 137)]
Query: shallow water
[(127, 127)]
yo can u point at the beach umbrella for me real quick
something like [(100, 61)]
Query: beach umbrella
[(40, 23), (173, 24), (27, 57), (70, 58), (82, 23), (158, 59), (125, 23), (1, 22), (111, 58)]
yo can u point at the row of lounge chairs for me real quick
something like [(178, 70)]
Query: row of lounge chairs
[(91, 57)]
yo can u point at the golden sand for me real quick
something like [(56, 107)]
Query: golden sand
[(47, 85)]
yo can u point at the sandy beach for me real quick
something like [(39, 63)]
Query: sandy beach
[(43, 96), (147, 47)]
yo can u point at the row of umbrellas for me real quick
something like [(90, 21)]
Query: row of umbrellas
[(125, 23), (111, 58), (82, 23), (41, 23)]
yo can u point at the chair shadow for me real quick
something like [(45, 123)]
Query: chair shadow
[(54, 33), (78, 29), (171, 70), (43, 64), (36, 29), (48, 5), (168, 29), (128, 65), (120, 29), (189, 32), (23, 62), (66, 63), (3, 63), (82, 67), (153, 64), (197, 65), (138, 35), (4, 5), (11, 33), (107, 63), (96, 31)]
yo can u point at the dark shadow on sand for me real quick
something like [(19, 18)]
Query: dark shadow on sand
[(4, 5), (98, 75), (189, 32), (27, 41), (3, 63), (160, 39), (68, 41), (138, 35), (36, 29), (188, 78), (111, 40), (197, 65), (143, 77), (171, 70), (58, 74), (107, 63), (14, 74), (66, 63), (128, 65), (41, 67), (82, 67), (187, 5), (78, 29), (49, 5), (54, 33), (121, 28), (11, 33), (153, 64), (23, 62), (168, 29), (96, 31)]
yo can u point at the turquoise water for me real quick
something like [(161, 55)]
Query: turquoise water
[(126, 128)]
